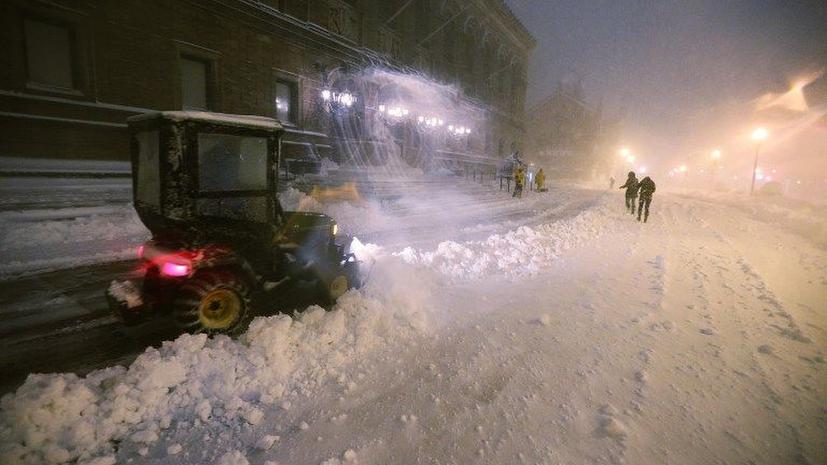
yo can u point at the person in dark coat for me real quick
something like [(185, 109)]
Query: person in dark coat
[(631, 187), (647, 188)]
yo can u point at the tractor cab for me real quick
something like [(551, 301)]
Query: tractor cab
[(205, 185)]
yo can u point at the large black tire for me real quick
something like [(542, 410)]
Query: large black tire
[(212, 302)]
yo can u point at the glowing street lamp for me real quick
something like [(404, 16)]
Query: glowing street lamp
[(758, 135), (335, 100), (347, 99), (624, 152), (716, 154)]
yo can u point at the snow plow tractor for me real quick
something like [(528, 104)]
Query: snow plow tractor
[(222, 247)]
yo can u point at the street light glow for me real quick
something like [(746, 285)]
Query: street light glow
[(716, 154), (759, 134), (682, 169), (624, 152)]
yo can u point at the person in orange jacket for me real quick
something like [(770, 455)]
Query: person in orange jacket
[(540, 181), (519, 181)]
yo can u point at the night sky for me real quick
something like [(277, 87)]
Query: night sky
[(667, 64)]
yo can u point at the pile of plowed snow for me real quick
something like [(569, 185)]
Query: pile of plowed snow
[(525, 250), (62, 418), (220, 383)]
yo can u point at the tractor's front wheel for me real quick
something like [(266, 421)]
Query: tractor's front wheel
[(335, 283), (212, 302)]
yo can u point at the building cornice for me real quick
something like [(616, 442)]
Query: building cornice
[(512, 23)]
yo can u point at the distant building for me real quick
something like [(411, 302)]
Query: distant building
[(565, 134), (73, 71)]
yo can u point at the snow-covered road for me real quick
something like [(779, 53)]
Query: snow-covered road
[(562, 332)]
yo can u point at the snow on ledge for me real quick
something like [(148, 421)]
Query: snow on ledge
[(250, 121)]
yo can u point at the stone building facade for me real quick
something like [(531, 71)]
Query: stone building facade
[(72, 71)]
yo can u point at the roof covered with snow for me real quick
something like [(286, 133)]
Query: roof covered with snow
[(249, 121)]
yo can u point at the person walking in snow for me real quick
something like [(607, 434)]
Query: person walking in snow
[(631, 187), (540, 181), (647, 188), (611, 182), (519, 181)]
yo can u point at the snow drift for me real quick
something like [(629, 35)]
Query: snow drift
[(61, 418)]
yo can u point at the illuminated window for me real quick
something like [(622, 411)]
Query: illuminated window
[(286, 101)]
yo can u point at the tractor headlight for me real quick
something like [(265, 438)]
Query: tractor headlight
[(335, 229)]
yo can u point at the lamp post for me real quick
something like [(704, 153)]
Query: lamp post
[(758, 135)]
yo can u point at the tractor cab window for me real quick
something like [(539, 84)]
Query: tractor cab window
[(228, 163), (233, 164), (148, 189)]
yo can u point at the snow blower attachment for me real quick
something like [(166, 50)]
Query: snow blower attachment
[(204, 184)]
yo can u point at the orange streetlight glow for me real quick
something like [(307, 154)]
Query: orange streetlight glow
[(758, 135)]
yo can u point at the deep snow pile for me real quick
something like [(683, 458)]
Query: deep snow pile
[(523, 251), (202, 382), (61, 418)]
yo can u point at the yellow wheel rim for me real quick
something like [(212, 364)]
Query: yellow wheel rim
[(219, 309), (338, 286)]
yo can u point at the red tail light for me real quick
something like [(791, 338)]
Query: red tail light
[(175, 270)]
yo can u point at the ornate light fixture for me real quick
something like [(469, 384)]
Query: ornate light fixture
[(430, 121), (335, 100), (395, 112), (458, 130)]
